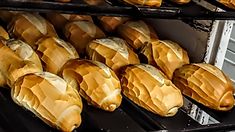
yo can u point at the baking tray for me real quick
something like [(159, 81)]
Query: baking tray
[(128, 118), (191, 117), (14, 118), (168, 10)]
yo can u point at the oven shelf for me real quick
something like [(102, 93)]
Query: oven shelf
[(168, 10)]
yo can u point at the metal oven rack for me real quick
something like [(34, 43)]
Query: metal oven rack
[(129, 117), (168, 10)]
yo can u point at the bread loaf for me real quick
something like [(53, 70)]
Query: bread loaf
[(206, 84), (95, 82), (149, 88), (13, 67), (3, 79), (60, 20), (80, 33), (30, 28), (156, 3), (110, 24), (54, 53), (50, 98), (181, 1), (25, 52), (114, 52), (228, 3), (95, 2), (166, 55), (6, 16), (137, 33), (3, 33)]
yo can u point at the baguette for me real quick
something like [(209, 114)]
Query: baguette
[(25, 52), (6, 16), (137, 33), (156, 3), (181, 1), (3, 33), (54, 53), (166, 55), (114, 52), (110, 24), (13, 67), (149, 88), (95, 2), (95, 82), (228, 3), (30, 28), (80, 33), (205, 84), (50, 98), (3, 79), (60, 20)]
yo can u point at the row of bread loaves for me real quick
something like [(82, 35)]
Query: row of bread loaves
[(101, 87), (45, 94), (40, 92), (148, 86), (45, 45), (172, 49), (202, 82)]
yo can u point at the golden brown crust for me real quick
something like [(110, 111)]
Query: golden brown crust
[(206, 84), (3, 33), (166, 55), (54, 53), (60, 20), (149, 88), (114, 52), (156, 3), (14, 67), (30, 28), (50, 98), (137, 33), (110, 24), (95, 82), (228, 3), (3, 79), (80, 33), (181, 1), (7, 16), (24, 51), (95, 2)]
